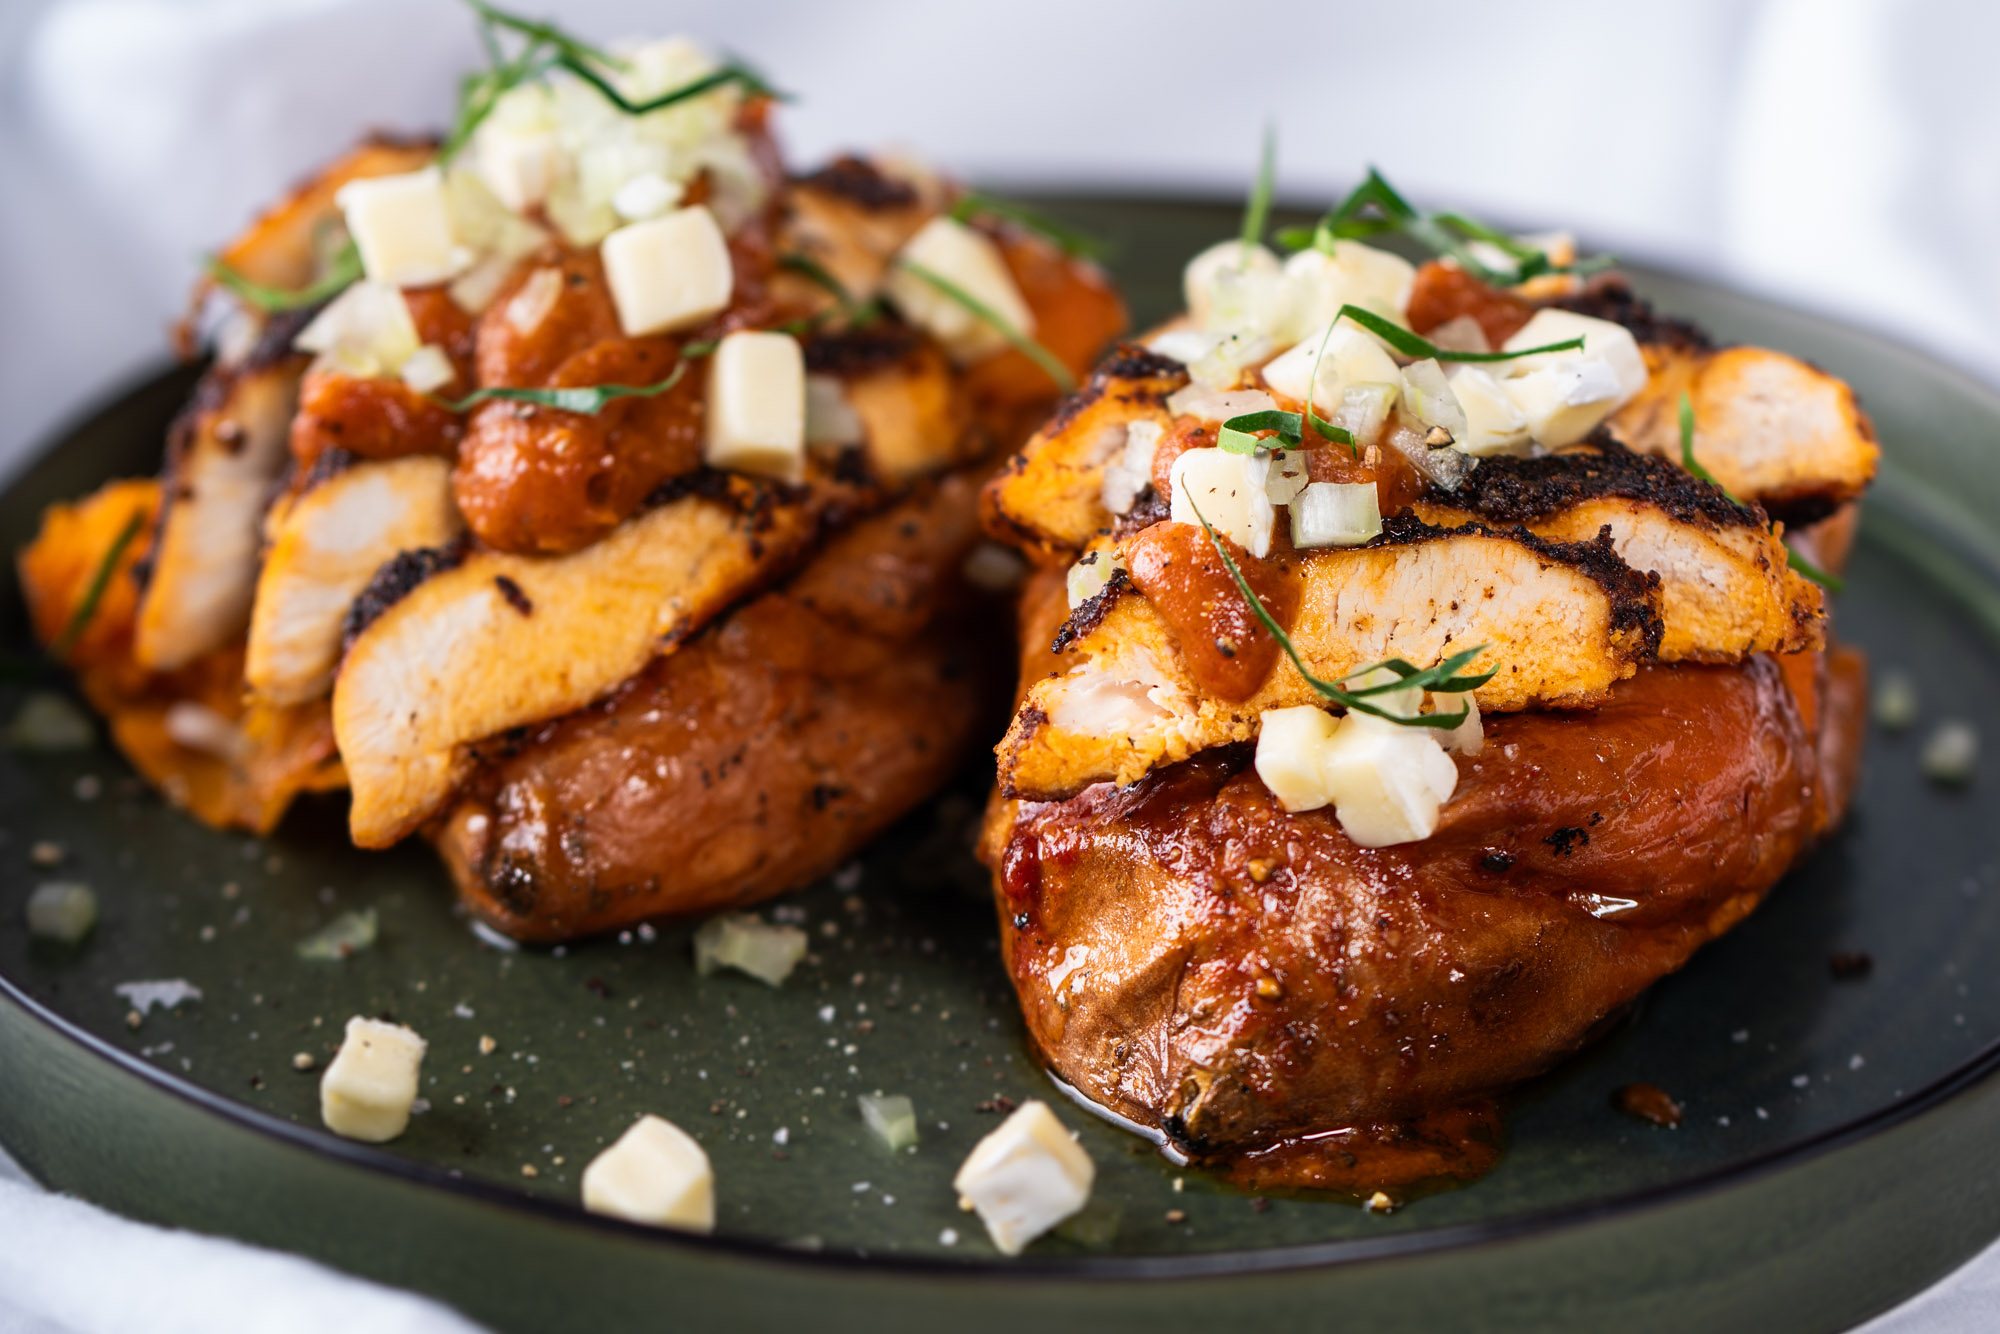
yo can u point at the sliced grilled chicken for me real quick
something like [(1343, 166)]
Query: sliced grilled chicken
[(1562, 622), (418, 684), (287, 244), (1048, 498), (223, 461), (1725, 589), (850, 218), (1771, 428), (325, 546)]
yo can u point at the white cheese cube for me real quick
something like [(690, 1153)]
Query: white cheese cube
[(365, 331), (757, 406), (1289, 742), (1469, 737), (517, 165), (1387, 782), (1494, 423), (1603, 341), (1025, 1177), (402, 227), (1564, 401), (1317, 285), (1233, 289), (371, 1084), (1352, 357), (669, 272), (1335, 514), (655, 1174), (1229, 492), (972, 263)]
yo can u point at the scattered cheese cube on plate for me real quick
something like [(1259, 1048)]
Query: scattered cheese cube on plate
[(371, 1084), (656, 1174), (402, 227), (757, 405), (668, 272), (1025, 1177)]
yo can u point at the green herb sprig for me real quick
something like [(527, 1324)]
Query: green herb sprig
[(859, 313), (1832, 583), (1375, 207), (548, 48), (1443, 679), (342, 272), (1070, 240), (1028, 347), (93, 592), (587, 399), (1239, 435), (1411, 345), (1257, 208)]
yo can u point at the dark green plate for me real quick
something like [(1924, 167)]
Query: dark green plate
[(1837, 1152)]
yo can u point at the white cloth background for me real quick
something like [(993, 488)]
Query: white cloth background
[(1844, 154)]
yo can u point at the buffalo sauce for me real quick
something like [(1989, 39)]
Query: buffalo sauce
[(1223, 644)]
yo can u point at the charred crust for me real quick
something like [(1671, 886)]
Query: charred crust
[(1803, 509), (274, 341), (516, 597), (850, 353), (708, 483), (1128, 363), (1633, 597), (1092, 612), (1610, 296), (1149, 508), (861, 183), (1030, 720), (397, 578), (326, 465), (1522, 490)]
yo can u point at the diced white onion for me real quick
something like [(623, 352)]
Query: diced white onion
[(365, 331), (1460, 333), (1429, 398), (1185, 345), (750, 945), (1351, 357), (1316, 285), (1232, 288), (1129, 474), (1285, 475), (1363, 410), (891, 1118), (831, 421), (198, 727), (1468, 738), (1445, 467), (1212, 405), (1335, 514), (531, 304), (646, 195), (428, 369), (1223, 365), (1088, 577)]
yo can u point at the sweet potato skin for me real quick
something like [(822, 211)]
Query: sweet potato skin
[(1194, 958)]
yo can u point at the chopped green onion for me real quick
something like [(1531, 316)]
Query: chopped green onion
[(752, 83), (1239, 434), (340, 274), (541, 31), (1410, 345), (93, 593), (344, 937), (1065, 238), (1443, 679), (1257, 209), (750, 945), (893, 1118), (1028, 347), (587, 399), (801, 263)]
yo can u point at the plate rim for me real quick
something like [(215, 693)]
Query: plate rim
[(1088, 1268)]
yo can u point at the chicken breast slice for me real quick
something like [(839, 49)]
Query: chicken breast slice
[(417, 687), (325, 546), (1561, 622)]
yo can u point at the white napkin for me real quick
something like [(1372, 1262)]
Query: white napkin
[(70, 1268)]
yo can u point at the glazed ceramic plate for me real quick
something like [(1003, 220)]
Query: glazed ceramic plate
[(1835, 1155)]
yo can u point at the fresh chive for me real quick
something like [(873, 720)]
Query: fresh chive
[(1257, 209), (1028, 347), (801, 263), (1239, 434), (1375, 207), (93, 592), (1063, 237), (1832, 583), (587, 399), (1411, 345), (542, 31), (340, 274), (1441, 679), (752, 83), (1326, 428)]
